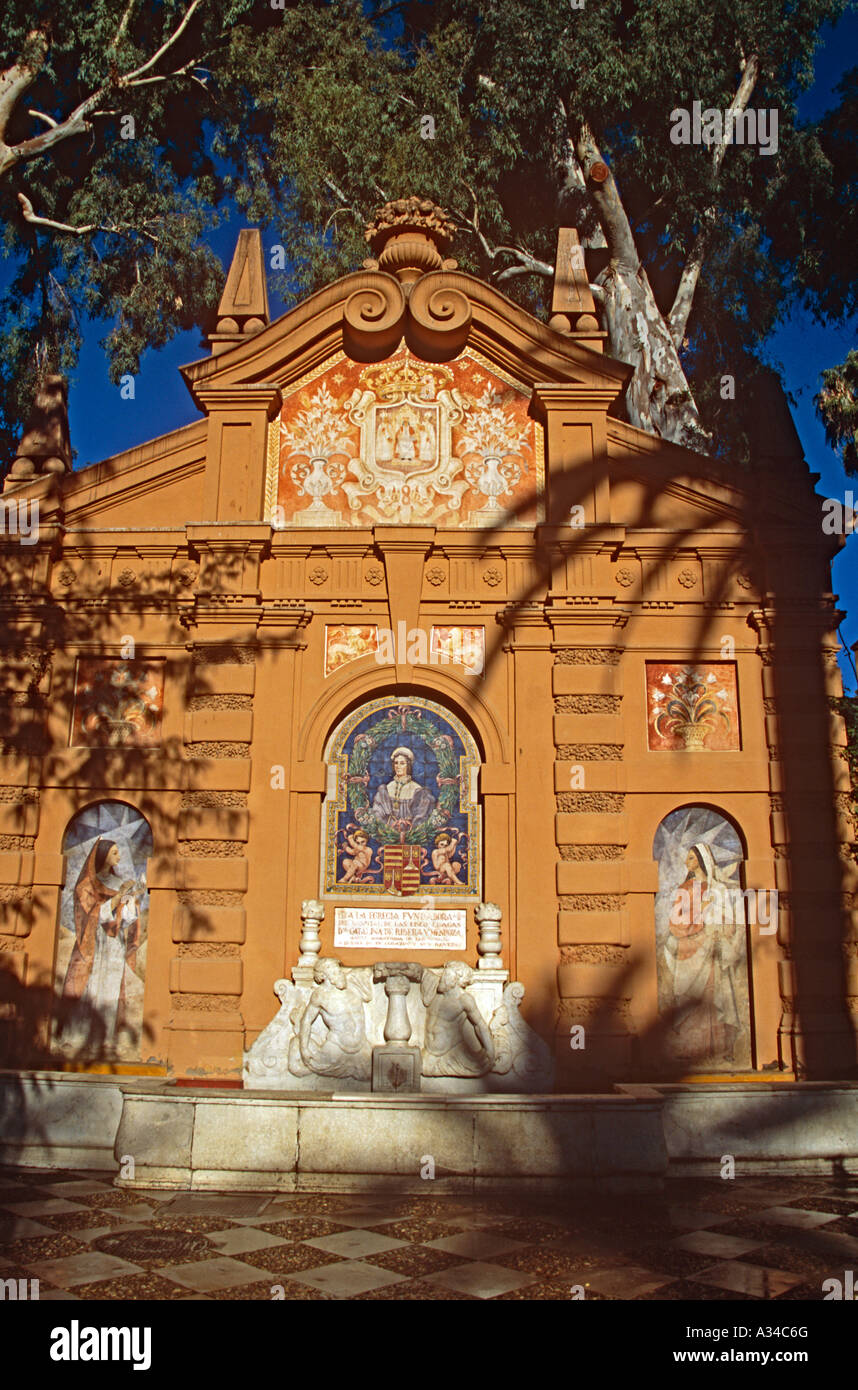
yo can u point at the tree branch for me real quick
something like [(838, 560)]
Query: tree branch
[(19, 77), (573, 186), (750, 75), (123, 25), (77, 122), (472, 224), (607, 202), (683, 300), (527, 264), (185, 71), (41, 116), (532, 268), (29, 214), (167, 44)]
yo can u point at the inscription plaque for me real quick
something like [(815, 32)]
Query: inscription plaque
[(400, 928)]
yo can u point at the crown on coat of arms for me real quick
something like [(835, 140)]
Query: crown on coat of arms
[(405, 377)]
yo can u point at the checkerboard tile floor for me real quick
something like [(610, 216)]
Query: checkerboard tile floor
[(750, 1239)]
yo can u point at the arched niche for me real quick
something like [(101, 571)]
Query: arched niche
[(401, 816), (102, 934), (701, 937)]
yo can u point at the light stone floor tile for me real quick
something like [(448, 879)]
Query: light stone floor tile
[(347, 1278), (360, 1204), (355, 1245), (215, 1204), (693, 1219), (794, 1216), (138, 1211), (207, 1276), (475, 1245), (624, 1281), (79, 1187), (481, 1279), (240, 1222), (239, 1240), (22, 1228), (49, 1206), (835, 1245), (361, 1218), (470, 1221), (86, 1268), (718, 1246), (753, 1280), (763, 1195)]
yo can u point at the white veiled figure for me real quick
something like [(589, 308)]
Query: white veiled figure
[(703, 949)]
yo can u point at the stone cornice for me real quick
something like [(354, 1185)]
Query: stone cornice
[(243, 397), (575, 395)]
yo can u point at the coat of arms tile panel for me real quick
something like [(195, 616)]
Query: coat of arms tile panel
[(407, 442)]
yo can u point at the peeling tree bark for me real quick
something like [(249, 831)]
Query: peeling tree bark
[(658, 397)]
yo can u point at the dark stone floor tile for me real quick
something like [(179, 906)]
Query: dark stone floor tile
[(132, 1288), (302, 1228), (416, 1230), (415, 1261), (552, 1262), (412, 1291), (73, 1221), (547, 1292), (289, 1259), (667, 1259), (193, 1225), (38, 1248), (687, 1290), (796, 1261), (266, 1291)]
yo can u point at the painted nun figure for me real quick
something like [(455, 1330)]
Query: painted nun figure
[(402, 802), (704, 951), (107, 931)]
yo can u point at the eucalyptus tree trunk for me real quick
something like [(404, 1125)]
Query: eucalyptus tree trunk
[(658, 397)]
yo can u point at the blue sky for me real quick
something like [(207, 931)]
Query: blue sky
[(102, 423)]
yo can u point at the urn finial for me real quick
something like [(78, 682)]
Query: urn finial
[(409, 237)]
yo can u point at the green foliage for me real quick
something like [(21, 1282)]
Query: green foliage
[(308, 118), (148, 201), (837, 407), (337, 131)]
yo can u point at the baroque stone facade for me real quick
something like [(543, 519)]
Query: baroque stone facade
[(408, 500)]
